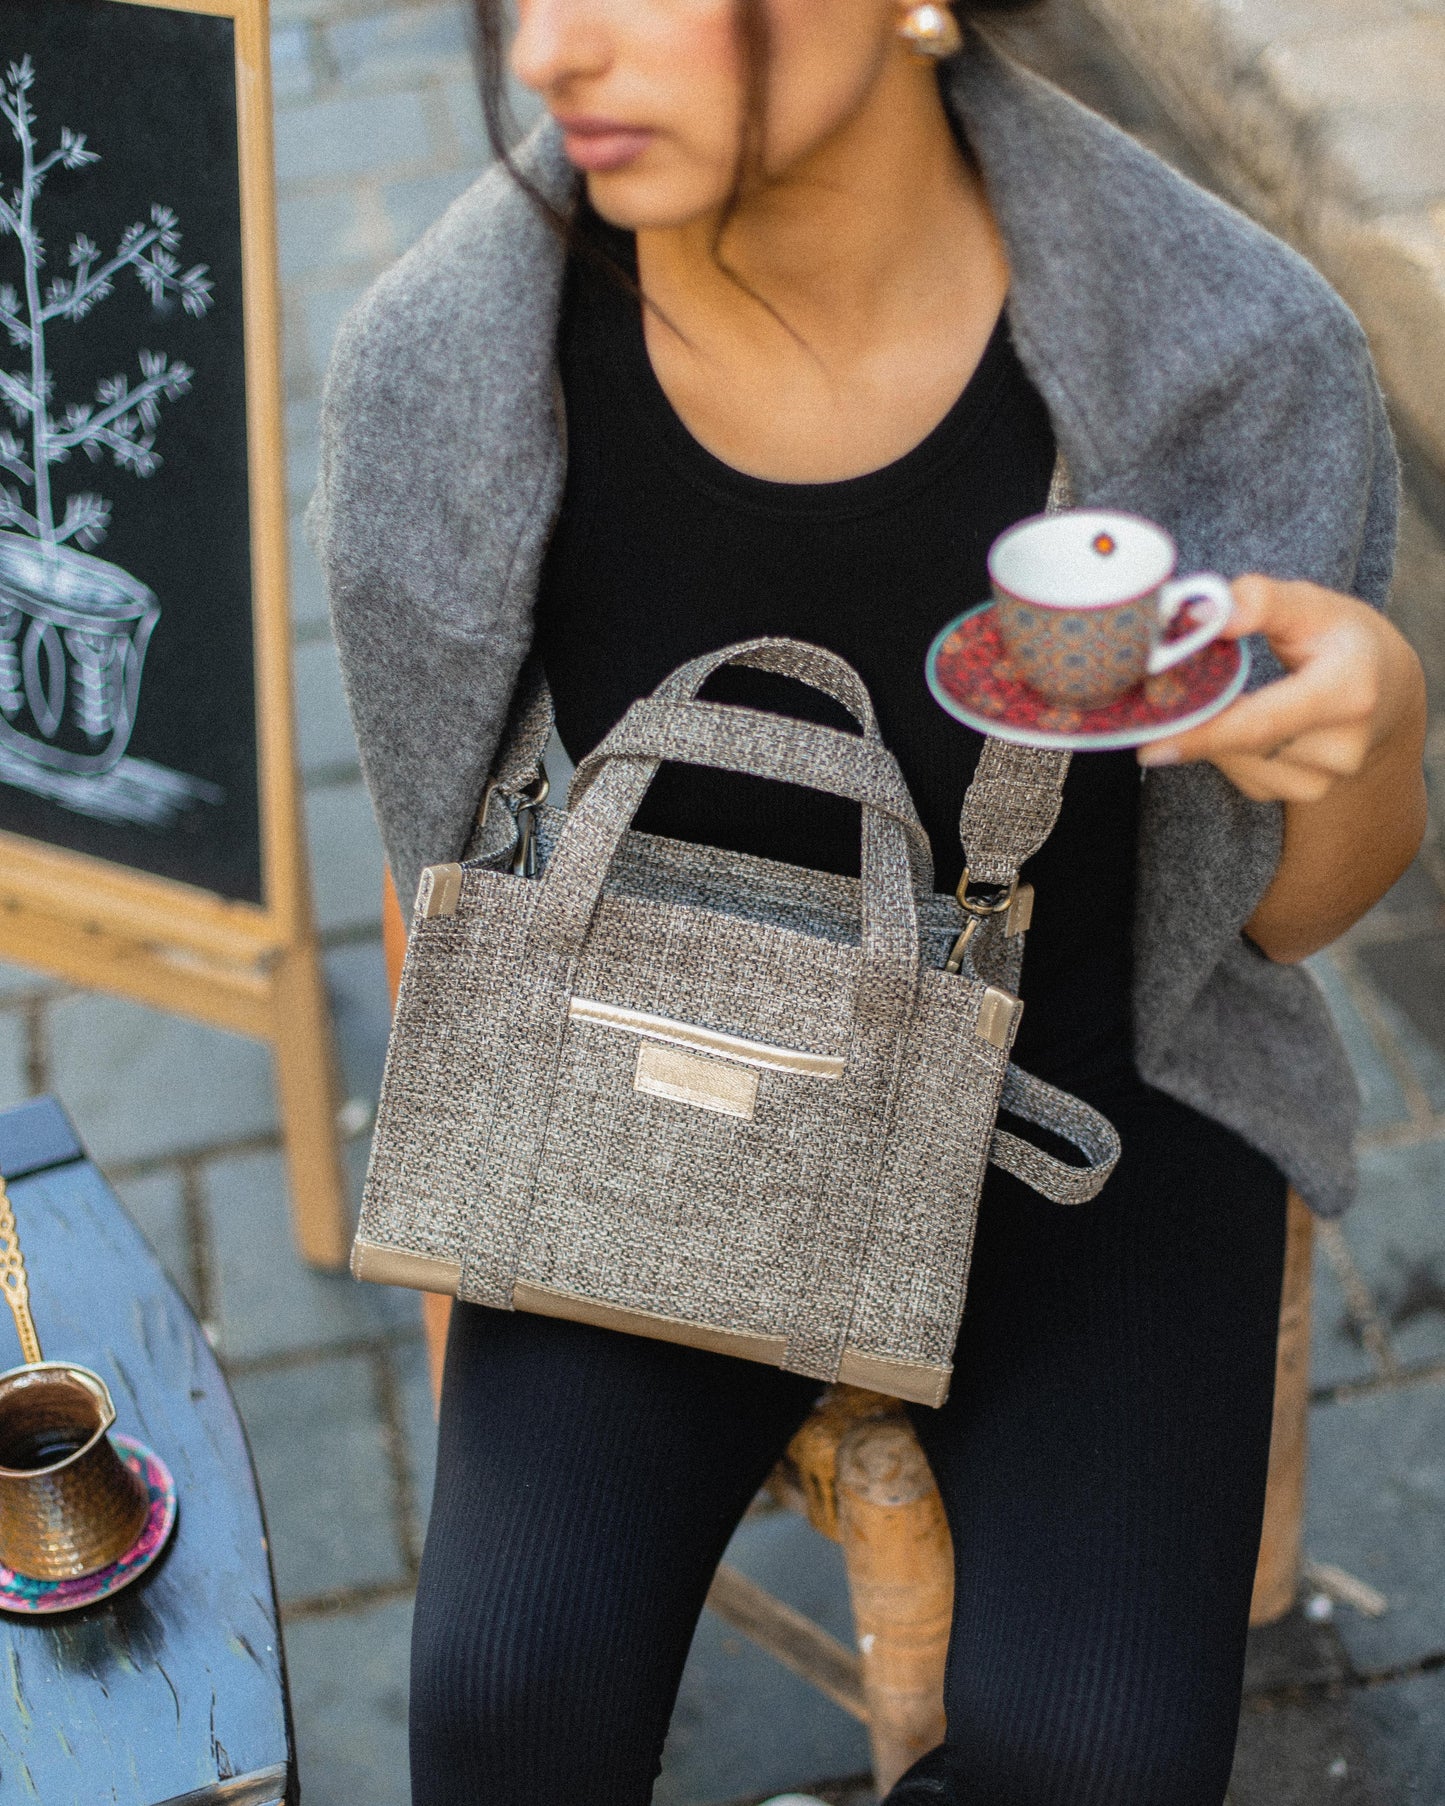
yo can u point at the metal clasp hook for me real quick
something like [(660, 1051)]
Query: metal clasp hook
[(524, 811), (991, 900)]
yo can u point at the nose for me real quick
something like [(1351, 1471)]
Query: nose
[(557, 42)]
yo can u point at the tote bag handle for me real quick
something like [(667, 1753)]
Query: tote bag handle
[(610, 784)]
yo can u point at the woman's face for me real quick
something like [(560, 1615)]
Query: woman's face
[(650, 93)]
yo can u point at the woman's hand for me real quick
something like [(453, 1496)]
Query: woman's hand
[(1339, 740), (1353, 682)]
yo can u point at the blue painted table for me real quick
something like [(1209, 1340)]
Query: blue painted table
[(172, 1693)]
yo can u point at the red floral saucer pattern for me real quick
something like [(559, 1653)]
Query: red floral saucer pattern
[(971, 676), (19, 1593)]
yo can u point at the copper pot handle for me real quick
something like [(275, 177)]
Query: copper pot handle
[(14, 1282)]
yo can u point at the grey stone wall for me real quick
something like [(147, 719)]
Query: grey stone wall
[(1325, 119)]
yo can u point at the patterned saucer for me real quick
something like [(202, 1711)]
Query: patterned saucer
[(19, 1593), (971, 676)]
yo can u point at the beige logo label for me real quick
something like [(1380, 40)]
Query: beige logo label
[(687, 1079)]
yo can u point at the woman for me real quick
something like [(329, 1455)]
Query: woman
[(775, 325)]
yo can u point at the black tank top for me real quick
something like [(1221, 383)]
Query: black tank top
[(662, 552)]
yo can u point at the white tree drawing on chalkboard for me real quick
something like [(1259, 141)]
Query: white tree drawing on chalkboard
[(74, 628)]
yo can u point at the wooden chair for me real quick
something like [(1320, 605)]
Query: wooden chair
[(858, 1474)]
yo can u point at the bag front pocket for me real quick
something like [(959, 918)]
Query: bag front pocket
[(674, 1177)]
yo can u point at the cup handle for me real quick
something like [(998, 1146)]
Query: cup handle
[(1202, 587)]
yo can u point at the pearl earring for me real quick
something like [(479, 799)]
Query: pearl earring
[(932, 31)]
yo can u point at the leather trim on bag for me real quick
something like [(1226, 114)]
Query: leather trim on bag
[(439, 890), (997, 1013), (684, 1078), (551, 1301), (399, 1267), (896, 1379), (707, 1040)]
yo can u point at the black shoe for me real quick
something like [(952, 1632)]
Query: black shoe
[(925, 1784)]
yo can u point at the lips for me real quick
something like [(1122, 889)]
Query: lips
[(598, 145)]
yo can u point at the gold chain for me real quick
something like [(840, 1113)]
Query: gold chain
[(13, 1280)]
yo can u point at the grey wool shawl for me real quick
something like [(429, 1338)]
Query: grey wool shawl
[(1196, 370)]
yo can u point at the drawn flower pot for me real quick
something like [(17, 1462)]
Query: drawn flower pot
[(73, 628), (73, 637)]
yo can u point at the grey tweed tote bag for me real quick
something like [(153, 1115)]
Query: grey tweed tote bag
[(714, 1098)]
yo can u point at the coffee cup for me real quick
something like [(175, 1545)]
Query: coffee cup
[(68, 1504), (1085, 600)]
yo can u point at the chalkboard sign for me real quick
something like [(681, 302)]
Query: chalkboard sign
[(149, 825), (127, 696)]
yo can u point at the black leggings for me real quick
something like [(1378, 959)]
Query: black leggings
[(1102, 1458)]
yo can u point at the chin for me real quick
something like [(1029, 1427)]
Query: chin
[(644, 200)]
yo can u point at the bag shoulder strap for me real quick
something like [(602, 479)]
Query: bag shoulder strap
[(517, 771), (1010, 808), (529, 727), (1017, 791)]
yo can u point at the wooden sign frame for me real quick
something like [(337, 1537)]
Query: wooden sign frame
[(253, 969)]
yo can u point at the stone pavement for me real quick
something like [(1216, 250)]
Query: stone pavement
[(377, 130)]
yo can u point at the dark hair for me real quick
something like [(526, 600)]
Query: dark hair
[(754, 44)]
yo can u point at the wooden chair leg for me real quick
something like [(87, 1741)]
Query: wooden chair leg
[(393, 936), (900, 1572), (436, 1311), (309, 1091), (436, 1318), (857, 1472), (807, 1477), (1276, 1579)]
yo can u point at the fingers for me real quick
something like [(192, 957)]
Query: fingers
[(1299, 769), (1251, 603), (1334, 687), (1351, 678), (1330, 696), (1290, 613), (1339, 752), (1277, 780)]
